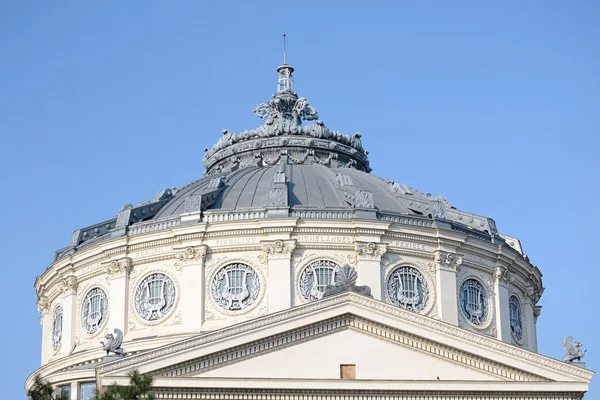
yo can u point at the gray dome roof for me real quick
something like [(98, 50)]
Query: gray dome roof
[(310, 186)]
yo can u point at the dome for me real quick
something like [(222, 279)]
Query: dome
[(284, 168)]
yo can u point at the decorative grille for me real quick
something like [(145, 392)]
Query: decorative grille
[(407, 288), (94, 310), (235, 286), (473, 301), (57, 323), (316, 277), (516, 318), (154, 297)]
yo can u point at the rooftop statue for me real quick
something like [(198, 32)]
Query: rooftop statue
[(572, 350), (113, 344)]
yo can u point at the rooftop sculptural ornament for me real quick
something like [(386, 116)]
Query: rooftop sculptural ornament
[(346, 282), (572, 350), (113, 344)]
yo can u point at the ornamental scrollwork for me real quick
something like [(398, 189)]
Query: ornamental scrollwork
[(533, 294), (191, 254), (118, 267), (68, 285), (371, 250), (43, 305), (363, 199), (279, 248), (346, 282), (502, 276), (447, 261)]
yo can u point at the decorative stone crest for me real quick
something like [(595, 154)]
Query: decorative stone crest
[(363, 199), (346, 282), (533, 294), (191, 254), (235, 287), (192, 203), (68, 285), (371, 251), (279, 248), (277, 197), (447, 261)]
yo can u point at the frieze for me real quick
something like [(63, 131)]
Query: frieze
[(406, 245), (477, 259), (325, 239), (153, 251), (90, 268), (236, 241)]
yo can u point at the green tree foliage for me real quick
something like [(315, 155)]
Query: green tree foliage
[(43, 390), (140, 386)]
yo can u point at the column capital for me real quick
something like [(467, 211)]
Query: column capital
[(191, 254), (502, 276), (69, 284), (117, 268), (278, 248), (43, 305), (370, 250), (447, 261)]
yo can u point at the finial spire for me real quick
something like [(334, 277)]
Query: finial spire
[(284, 51), (284, 72)]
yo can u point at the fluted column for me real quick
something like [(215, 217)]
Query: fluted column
[(446, 264), (502, 279), (279, 271), (68, 301), (117, 272), (191, 262), (369, 266)]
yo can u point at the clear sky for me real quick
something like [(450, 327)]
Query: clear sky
[(493, 105)]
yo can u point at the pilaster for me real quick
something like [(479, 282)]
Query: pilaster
[(46, 321), (446, 264), (369, 266), (117, 273), (502, 278), (279, 271), (191, 261), (68, 301), (529, 310)]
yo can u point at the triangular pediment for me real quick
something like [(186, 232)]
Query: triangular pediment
[(312, 341)]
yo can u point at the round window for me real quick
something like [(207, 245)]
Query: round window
[(94, 310), (473, 301), (154, 297), (407, 288), (235, 287), (316, 277), (516, 318), (57, 322)]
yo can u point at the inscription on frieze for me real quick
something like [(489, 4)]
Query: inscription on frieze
[(153, 251), (406, 245), (325, 239), (235, 241)]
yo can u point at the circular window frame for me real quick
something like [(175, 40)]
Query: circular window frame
[(82, 305), (134, 291), (258, 275)]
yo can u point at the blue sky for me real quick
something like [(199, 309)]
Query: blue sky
[(494, 105)]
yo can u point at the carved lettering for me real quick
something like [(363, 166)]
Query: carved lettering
[(325, 239), (236, 241), (153, 252)]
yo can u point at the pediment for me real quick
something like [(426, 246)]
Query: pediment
[(312, 341)]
